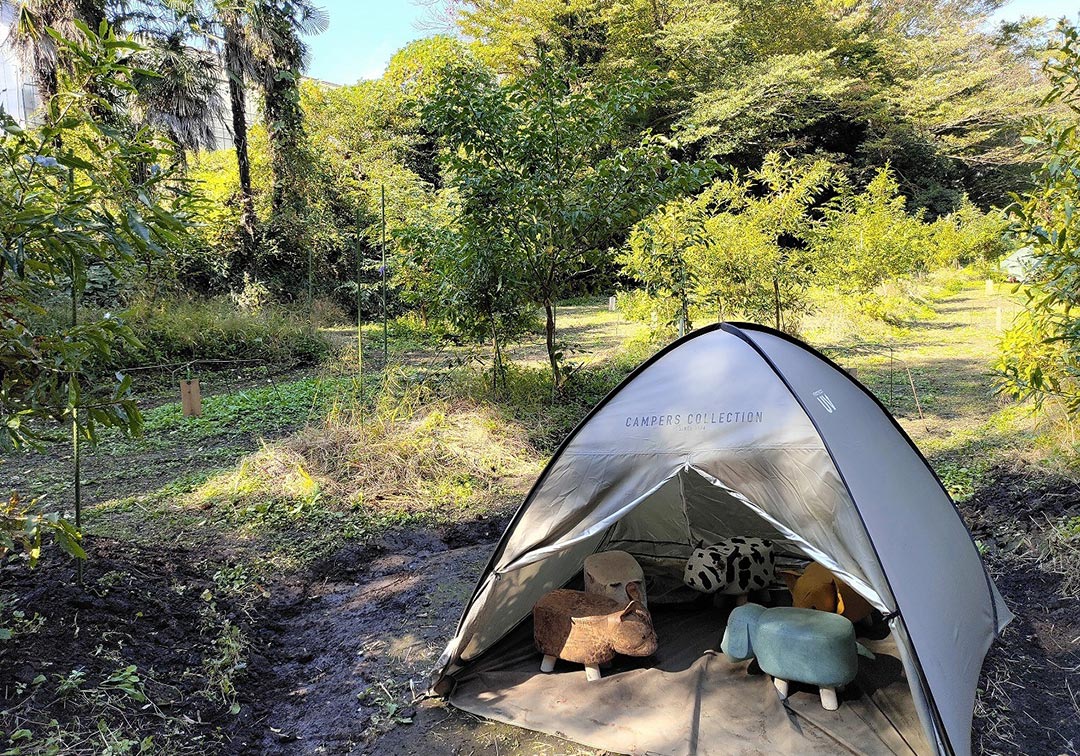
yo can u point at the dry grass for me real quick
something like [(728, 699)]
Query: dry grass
[(1060, 554), (403, 456), (443, 453)]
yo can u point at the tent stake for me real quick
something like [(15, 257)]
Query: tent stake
[(915, 394)]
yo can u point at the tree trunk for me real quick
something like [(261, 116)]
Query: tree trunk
[(237, 103), (496, 358), (549, 333), (776, 299)]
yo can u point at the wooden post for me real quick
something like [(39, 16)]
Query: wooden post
[(190, 397), (612, 307), (990, 286)]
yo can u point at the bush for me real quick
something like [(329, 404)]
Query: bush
[(183, 328), (217, 329)]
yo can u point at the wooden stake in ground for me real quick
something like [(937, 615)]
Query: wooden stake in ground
[(190, 398)]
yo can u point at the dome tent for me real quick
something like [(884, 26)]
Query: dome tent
[(737, 429)]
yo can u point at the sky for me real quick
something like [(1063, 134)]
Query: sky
[(364, 34), (362, 37)]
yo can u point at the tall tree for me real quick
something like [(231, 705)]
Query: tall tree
[(177, 90), (274, 33), (544, 167), (238, 62), (38, 51), (929, 86), (260, 45)]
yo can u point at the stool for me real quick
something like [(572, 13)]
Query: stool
[(801, 645), (611, 573)]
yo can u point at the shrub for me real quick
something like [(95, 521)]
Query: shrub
[(184, 328), (217, 329)]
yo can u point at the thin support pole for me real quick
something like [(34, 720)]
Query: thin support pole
[(384, 332), (892, 397), (76, 458), (776, 299), (359, 315), (915, 394), (75, 440)]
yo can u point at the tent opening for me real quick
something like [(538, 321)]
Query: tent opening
[(689, 698)]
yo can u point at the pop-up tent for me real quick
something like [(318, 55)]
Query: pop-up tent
[(737, 429)]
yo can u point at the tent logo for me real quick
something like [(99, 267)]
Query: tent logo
[(825, 401)]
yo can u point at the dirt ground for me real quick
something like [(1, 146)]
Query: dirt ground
[(1030, 686), (333, 657), (339, 656)]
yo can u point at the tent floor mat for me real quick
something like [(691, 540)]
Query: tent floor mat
[(689, 699)]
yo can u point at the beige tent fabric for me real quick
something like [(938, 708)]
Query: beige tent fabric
[(690, 700)]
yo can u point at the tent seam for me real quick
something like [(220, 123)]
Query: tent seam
[(899, 428)]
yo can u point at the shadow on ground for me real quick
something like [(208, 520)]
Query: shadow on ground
[(1029, 693)]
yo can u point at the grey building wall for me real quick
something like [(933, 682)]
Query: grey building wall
[(19, 95)]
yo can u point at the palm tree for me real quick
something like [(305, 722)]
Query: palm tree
[(37, 50), (230, 16), (280, 56), (183, 99)]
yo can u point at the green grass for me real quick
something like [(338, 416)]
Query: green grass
[(289, 472)]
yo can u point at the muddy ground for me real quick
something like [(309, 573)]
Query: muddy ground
[(337, 657)]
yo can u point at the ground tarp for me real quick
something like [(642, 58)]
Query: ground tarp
[(689, 699)]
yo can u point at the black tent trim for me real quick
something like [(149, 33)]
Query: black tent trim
[(895, 424)]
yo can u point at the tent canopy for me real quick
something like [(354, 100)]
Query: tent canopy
[(737, 429)]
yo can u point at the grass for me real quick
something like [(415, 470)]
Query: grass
[(328, 460), (276, 476)]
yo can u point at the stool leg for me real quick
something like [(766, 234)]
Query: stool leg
[(592, 672), (781, 687), (828, 699), (548, 664)]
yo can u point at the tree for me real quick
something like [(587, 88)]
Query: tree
[(743, 243), (177, 90), (259, 44), (38, 50), (1041, 352), (657, 255), (278, 54), (73, 198), (868, 237), (928, 86), (546, 166), (225, 24)]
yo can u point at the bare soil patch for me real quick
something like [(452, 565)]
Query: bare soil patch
[(1030, 688)]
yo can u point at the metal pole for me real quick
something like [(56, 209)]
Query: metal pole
[(384, 339), (776, 296), (359, 314), (75, 440), (892, 402), (310, 284)]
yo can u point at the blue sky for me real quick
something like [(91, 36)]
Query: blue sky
[(362, 37), (364, 34)]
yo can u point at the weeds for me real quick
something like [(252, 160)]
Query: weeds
[(227, 664), (390, 705), (1060, 554), (106, 707)]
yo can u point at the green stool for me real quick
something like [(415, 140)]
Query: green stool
[(804, 645)]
